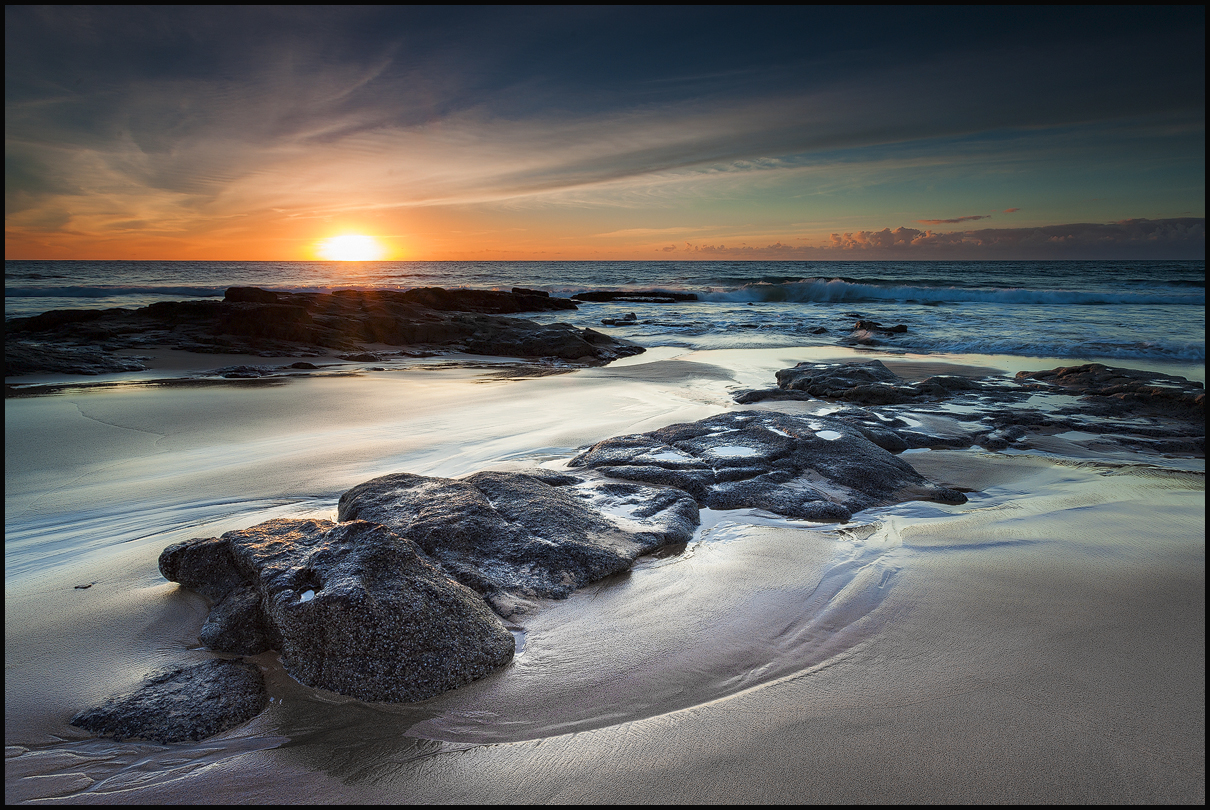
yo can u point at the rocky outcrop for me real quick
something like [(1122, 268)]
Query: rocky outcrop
[(515, 537), (1146, 410), (1124, 390), (871, 383), (813, 468), (181, 705), (262, 322), (353, 608), (30, 358)]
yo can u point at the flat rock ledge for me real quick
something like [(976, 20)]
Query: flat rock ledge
[(812, 468), (1144, 410), (182, 705), (265, 323)]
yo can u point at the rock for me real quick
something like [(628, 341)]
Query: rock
[(747, 396), (353, 608), (243, 372), (182, 704), (30, 357), (276, 324), (1117, 391), (814, 468), (515, 537), (870, 383)]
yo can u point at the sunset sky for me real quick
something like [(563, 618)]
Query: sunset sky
[(605, 133)]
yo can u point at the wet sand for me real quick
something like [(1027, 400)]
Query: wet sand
[(1044, 642)]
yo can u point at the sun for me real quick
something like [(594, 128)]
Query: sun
[(353, 247)]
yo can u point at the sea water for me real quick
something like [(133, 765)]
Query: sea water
[(1082, 310)]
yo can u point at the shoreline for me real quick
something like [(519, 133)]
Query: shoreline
[(837, 714)]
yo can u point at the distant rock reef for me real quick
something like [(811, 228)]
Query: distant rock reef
[(260, 322)]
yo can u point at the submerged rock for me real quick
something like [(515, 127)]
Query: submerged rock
[(182, 704), (813, 468), (514, 537), (353, 608)]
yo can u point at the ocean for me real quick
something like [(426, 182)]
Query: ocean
[(1082, 310)]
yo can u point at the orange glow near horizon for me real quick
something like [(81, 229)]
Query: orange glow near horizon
[(352, 247)]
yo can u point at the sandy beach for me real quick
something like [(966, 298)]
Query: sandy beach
[(1043, 642)]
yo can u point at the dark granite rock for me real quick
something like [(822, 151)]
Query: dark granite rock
[(747, 396), (514, 537), (183, 704), (814, 468), (875, 326), (353, 608), (1119, 391), (32, 357), (870, 383), (237, 624)]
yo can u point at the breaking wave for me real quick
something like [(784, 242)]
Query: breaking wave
[(841, 291)]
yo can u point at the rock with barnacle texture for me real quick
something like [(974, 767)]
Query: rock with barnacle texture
[(353, 608), (813, 468), (182, 704), (515, 537)]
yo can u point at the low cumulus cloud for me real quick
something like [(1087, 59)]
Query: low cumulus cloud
[(1183, 237), (954, 221)]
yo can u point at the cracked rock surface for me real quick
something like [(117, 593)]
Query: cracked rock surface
[(183, 704), (352, 607), (514, 537), (813, 468)]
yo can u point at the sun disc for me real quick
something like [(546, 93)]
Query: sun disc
[(351, 248)]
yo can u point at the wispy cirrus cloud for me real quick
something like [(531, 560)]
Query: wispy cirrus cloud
[(953, 221), (1183, 237)]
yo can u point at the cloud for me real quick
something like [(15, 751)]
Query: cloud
[(1183, 237), (952, 221), (1011, 210)]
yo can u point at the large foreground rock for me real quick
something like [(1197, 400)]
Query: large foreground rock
[(814, 468), (353, 608), (515, 537), (183, 704)]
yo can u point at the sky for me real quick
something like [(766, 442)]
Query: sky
[(625, 133)]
